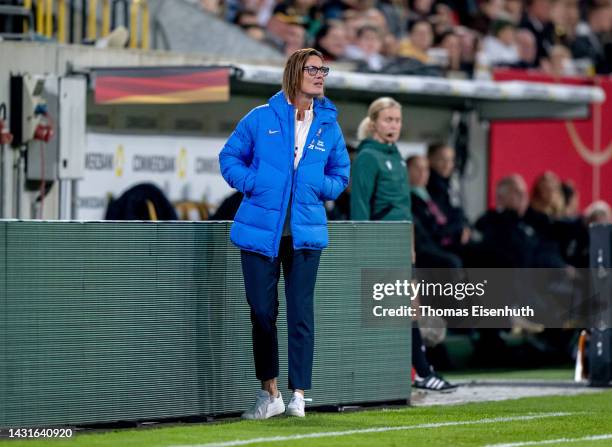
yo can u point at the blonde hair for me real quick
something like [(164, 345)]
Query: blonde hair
[(552, 205), (294, 71), (366, 127)]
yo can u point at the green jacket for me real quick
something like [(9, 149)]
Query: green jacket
[(379, 188)]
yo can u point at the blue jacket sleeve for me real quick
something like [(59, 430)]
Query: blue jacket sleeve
[(337, 170), (236, 156)]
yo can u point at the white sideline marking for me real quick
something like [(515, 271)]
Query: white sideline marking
[(554, 441), (378, 430)]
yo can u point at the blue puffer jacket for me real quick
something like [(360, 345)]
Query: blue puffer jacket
[(257, 160)]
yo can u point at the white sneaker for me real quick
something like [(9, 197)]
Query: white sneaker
[(296, 406), (265, 406)]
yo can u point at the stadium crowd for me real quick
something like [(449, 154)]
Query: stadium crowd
[(435, 37)]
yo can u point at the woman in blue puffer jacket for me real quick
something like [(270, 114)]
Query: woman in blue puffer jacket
[(287, 157)]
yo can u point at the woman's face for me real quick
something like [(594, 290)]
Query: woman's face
[(452, 45), (422, 36), (388, 125), (313, 85), (443, 161), (370, 42), (548, 186), (507, 35), (418, 171), (335, 41)]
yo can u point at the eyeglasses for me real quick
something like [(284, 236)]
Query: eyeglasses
[(312, 70)]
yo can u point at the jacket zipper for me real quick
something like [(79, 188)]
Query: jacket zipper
[(284, 209), (310, 136)]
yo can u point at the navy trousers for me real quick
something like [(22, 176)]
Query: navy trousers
[(261, 275)]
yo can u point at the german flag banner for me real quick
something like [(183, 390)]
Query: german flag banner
[(161, 85)]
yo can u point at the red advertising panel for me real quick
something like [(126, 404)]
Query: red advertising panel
[(576, 150)]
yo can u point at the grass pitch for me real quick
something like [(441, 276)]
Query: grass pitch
[(578, 420)]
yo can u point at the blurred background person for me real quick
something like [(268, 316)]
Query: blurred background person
[(546, 195), (500, 47), (331, 40), (488, 12), (442, 191), (593, 36), (514, 10), (537, 19), (598, 212), (419, 41), (559, 63), (527, 49), (380, 191), (506, 240), (367, 48), (419, 10), (451, 44), (430, 223)]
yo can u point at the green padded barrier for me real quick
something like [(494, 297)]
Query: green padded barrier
[(111, 321)]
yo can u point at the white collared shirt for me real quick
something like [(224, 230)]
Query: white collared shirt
[(301, 132)]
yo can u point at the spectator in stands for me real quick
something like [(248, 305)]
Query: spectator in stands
[(506, 240), (341, 9), (469, 45), (598, 212), (281, 219), (376, 18), (354, 21), (429, 220), (443, 19), (367, 48), (593, 37), (295, 39), (500, 48), (442, 162), (489, 11), (419, 10), (527, 49), (546, 215), (451, 43), (380, 191), (560, 62), (514, 10), (249, 22), (537, 20), (396, 16), (298, 12), (331, 41), (573, 19), (560, 16), (418, 43), (546, 195), (262, 9)]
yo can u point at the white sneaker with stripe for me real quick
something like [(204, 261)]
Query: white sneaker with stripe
[(266, 406), (433, 382)]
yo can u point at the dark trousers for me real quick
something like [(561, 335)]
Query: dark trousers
[(261, 275)]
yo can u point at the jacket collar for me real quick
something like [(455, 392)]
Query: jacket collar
[(324, 109), (377, 145)]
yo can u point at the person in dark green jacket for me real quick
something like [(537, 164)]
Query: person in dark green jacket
[(380, 188), (380, 191)]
